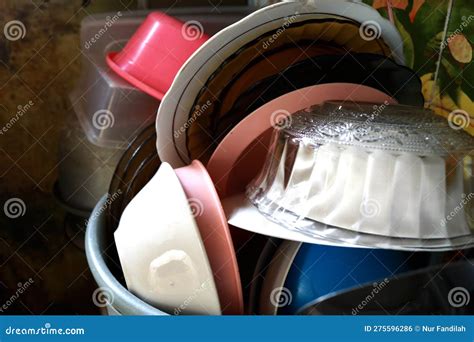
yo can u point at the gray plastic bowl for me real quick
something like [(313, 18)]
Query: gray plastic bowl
[(115, 297)]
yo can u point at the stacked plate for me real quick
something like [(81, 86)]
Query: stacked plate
[(193, 117), (196, 271), (175, 248)]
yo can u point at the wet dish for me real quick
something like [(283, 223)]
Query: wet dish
[(270, 64), (371, 70), (332, 35)]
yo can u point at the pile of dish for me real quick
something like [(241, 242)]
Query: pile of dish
[(269, 182)]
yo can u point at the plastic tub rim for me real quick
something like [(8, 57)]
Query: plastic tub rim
[(121, 300)]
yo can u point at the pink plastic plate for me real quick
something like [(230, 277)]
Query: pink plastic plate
[(212, 223), (240, 156)]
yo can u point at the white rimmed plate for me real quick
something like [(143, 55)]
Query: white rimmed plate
[(176, 105)]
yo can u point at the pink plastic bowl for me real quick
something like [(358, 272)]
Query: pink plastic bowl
[(155, 53)]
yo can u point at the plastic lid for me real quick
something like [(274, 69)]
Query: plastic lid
[(379, 127)]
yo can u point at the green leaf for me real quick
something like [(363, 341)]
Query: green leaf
[(429, 22), (408, 47)]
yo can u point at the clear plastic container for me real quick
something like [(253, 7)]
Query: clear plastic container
[(370, 173), (111, 111)]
